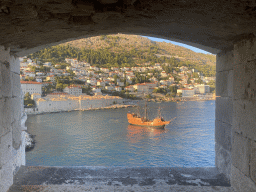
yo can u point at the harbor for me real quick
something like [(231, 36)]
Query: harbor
[(105, 137)]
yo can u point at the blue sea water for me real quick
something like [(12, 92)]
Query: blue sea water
[(104, 137)]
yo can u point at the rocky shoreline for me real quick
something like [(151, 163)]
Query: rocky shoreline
[(29, 141)]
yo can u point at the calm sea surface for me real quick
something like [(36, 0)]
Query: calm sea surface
[(104, 137)]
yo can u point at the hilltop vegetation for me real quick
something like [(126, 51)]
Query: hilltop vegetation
[(118, 42), (127, 51)]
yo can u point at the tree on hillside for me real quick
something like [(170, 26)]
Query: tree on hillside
[(200, 81), (115, 79), (28, 102)]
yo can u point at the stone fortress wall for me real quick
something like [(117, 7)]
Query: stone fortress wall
[(70, 103), (225, 28), (12, 120), (235, 116)]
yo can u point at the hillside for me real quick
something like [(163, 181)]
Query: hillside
[(128, 51), (122, 42)]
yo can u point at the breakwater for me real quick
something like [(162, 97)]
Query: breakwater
[(32, 111)]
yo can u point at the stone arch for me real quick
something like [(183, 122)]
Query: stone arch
[(224, 27)]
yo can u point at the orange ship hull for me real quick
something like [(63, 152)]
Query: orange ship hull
[(133, 119)]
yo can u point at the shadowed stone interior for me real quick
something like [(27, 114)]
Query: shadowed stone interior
[(29, 25)]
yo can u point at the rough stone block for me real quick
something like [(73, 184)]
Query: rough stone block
[(253, 161), (5, 149), (223, 160), (1, 84), (16, 124), (245, 81), (244, 51), (16, 87), (23, 121), (15, 64), (6, 116), (16, 108), (223, 134), (6, 85), (230, 84), (241, 182), (224, 109), (224, 61), (18, 156), (6, 177), (241, 153), (222, 84), (244, 113), (16, 134), (4, 54)]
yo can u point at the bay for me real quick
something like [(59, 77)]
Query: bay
[(105, 138)]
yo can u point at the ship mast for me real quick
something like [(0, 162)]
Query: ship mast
[(146, 111), (159, 112), (138, 111)]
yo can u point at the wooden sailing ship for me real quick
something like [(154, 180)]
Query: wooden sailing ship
[(135, 119)]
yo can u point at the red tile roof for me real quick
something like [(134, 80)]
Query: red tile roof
[(29, 82)]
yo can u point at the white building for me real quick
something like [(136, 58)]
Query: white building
[(120, 84), (96, 91), (31, 87), (202, 89), (145, 87), (105, 70), (118, 88), (109, 88), (129, 88), (48, 64), (35, 96), (29, 73), (100, 83), (163, 74), (73, 90), (186, 92), (50, 78)]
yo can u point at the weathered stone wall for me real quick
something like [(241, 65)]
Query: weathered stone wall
[(224, 111), (243, 169), (12, 149)]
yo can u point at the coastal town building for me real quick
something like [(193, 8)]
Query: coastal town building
[(163, 74), (120, 83), (50, 78), (129, 88), (39, 79), (145, 87), (73, 90), (118, 88), (202, 89), (100, 83), (31, 87), (186, 92), (29, 73), (109, 88), (96, 90), (35, 96)]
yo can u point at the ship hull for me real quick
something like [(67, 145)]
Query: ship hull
[(133, 119), (153, 126)]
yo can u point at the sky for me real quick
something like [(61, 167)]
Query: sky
[(179, 44)]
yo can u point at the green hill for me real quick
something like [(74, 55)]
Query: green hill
[(128, 50), (122, 42)]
